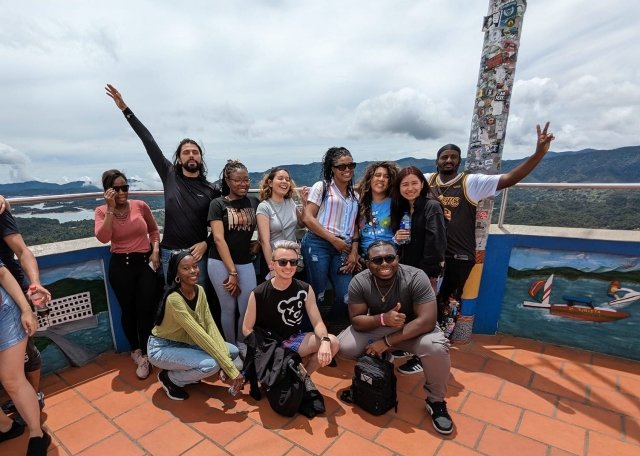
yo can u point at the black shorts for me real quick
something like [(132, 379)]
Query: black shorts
[(32, 361)]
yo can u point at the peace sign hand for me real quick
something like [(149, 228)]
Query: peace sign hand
[(544, 139)]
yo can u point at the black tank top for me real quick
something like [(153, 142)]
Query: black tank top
[(461, 214), (281, 311)]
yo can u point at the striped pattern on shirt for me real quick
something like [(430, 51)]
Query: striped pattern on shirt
[(337, 214)]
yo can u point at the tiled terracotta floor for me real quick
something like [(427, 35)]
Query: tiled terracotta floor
[(508, 396)]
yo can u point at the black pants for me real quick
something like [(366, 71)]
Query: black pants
[(456, 273), (135, 286)]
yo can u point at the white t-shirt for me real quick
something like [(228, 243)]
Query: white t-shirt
[(479, 186)]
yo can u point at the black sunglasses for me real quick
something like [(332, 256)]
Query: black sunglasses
[(386, 258), (121, 188), (344, 166), (283, 262)]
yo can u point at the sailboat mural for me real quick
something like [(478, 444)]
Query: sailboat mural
[(581, 299), (576, 307)]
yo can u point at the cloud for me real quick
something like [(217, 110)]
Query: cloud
[(17, 163), (403, 112)]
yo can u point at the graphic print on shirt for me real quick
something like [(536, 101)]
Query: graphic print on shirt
[(291, 309), (378, 225), (243, 219)]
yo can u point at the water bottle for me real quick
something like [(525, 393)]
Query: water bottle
[(405, 224), (37, 299)]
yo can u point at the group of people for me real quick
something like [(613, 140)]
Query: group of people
[(396, 248)]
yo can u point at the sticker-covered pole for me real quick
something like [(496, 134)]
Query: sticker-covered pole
[(502, 28)]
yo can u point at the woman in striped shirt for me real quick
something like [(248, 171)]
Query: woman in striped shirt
[(329, 249)]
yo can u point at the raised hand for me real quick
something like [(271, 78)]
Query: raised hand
[(116, 96), (544, 139)]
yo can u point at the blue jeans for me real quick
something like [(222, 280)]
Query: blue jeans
[(165, 255), (185, 363), (321, 263), (218, 273)]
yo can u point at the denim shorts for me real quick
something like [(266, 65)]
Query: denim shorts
[(11, 330)]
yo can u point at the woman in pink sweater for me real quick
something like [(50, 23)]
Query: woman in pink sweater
[(135, 257)]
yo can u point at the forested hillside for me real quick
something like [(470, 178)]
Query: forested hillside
[(614, 209)]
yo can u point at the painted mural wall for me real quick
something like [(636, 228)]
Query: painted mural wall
[(77, 326), (579, 299)]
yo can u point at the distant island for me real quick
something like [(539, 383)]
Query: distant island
[(613, 209)]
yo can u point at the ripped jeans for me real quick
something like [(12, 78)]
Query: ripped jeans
[(321, 263)]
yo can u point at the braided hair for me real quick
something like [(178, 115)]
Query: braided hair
[(172, 284), (230, 167), (328, 161)]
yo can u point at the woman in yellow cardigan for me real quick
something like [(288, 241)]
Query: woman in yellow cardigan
[(185, 342)]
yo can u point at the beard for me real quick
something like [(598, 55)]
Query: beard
[(192, 167), (449, 172)]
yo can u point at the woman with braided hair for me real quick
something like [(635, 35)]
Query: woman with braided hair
[(232, 218), (329, 248)]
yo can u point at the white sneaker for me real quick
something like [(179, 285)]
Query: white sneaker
[(144, 368), (136, 355)]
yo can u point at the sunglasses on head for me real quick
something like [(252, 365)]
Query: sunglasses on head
[(121, 188), (284, 261), (344, 166), (378, 260)]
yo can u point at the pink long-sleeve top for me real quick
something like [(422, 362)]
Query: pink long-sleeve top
[(136, 233)]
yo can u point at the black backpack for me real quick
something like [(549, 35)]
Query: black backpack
[(374, 385)]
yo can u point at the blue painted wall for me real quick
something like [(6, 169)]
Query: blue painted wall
[(79, 256), (494, 275)]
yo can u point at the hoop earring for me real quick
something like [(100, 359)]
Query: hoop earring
[(177, 280)]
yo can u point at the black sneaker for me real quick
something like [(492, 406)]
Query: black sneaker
[(411, 367), (399, 354), (38, 445), (175, 392), (440, 417), (16, 430)]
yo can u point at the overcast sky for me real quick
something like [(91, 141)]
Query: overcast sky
[(278, 82)]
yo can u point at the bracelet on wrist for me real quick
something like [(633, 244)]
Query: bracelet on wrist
[(386, 341), (109, 212), (234, 273), (325, 339), (382, 323)]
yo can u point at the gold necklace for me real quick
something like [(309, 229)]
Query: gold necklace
[(383, 297), (447, 187)]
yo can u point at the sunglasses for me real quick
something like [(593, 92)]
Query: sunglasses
[(346, 166), (283, 262), (380, 259), (121, 188), (240, 181)]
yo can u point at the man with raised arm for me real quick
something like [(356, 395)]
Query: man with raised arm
[(459, 194), (187, 193), (392, 306)]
